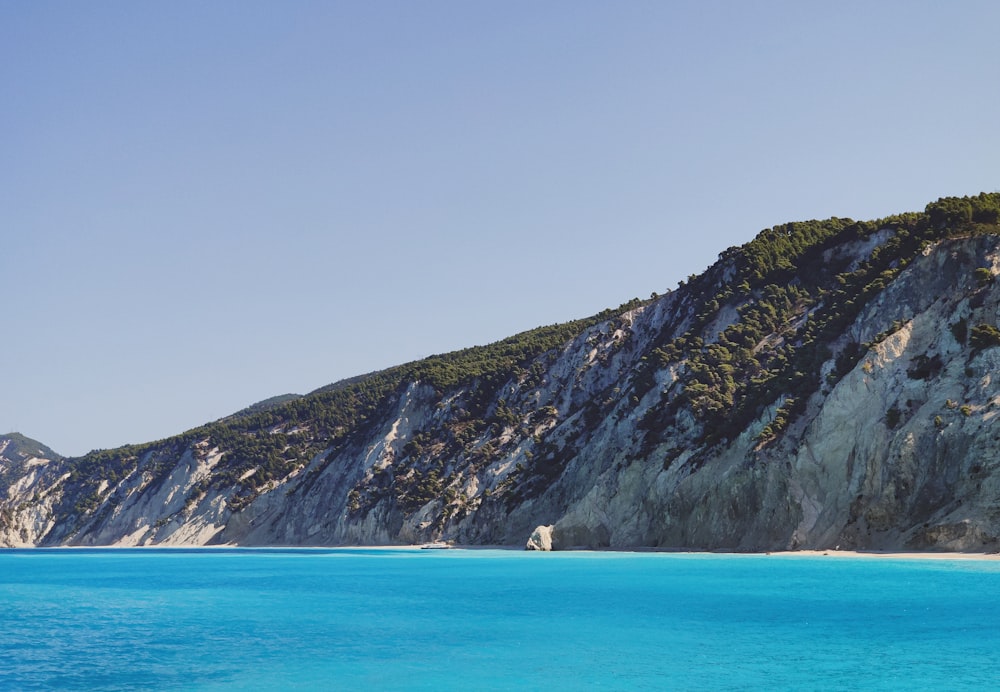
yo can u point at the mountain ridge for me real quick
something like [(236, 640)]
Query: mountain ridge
[(703, 418)]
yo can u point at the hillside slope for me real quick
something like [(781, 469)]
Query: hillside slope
[(26, 471), (829, 383)]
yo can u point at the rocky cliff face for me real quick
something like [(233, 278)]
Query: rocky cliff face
[(828, 385), (27, 468), (893, 455)]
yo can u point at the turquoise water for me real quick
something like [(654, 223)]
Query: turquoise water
[(438, 620)]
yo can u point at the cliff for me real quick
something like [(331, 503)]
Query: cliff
[(828, 384)]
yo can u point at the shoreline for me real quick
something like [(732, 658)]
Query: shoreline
[(812, 552), (809, 552), (882, 554)]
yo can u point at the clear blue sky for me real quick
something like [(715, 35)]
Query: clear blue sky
[(207, 204)]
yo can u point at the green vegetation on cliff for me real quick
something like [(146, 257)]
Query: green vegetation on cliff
[(794, 295), (265, 442)]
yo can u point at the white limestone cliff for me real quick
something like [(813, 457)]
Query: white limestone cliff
[(884, 456)]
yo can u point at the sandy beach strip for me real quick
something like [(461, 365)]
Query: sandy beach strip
[(879, 554), (831, 552)]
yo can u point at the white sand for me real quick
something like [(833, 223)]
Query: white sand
[(890, 555)]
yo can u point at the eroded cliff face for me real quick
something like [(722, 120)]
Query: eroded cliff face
[(603, 440), (902, 452), (29, 480)]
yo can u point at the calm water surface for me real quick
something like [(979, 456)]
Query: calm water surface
[(437, 620)]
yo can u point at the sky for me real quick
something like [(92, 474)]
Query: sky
[(203, 205)]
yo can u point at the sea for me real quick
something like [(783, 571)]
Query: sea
[(388, 619)]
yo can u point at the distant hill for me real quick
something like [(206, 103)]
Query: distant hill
[(828, 383), (15, 446)]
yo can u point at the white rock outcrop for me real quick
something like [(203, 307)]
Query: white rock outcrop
[(540, 539)]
